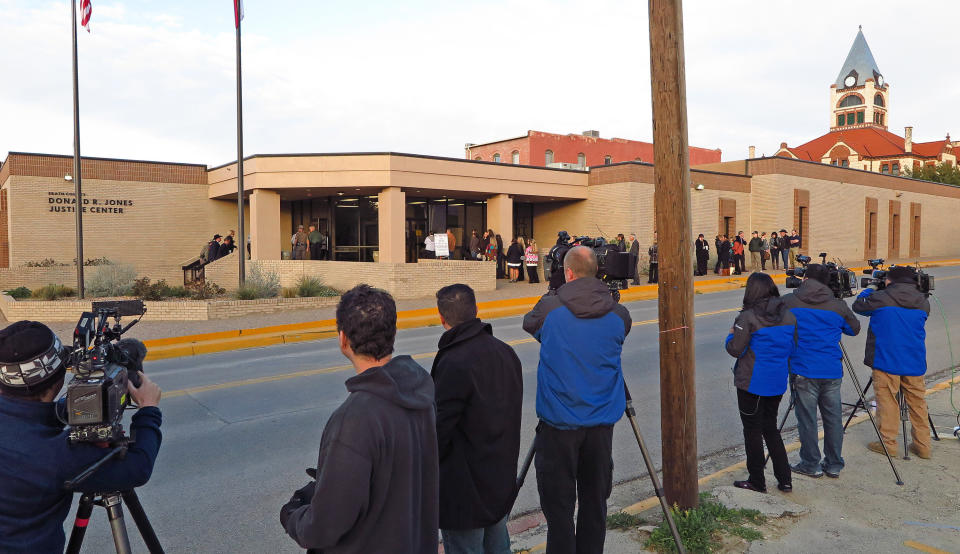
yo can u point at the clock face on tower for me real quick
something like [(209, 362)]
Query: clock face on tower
[(850, 81), (880, 80)]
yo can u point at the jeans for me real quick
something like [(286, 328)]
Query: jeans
[(809, 395), (759, 417), (785, 253), (654, 273), (575, 465), (489, 540)]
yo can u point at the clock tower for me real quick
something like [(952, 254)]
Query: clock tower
[(860, 97)]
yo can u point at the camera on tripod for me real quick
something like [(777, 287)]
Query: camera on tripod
[(613, 266), (97, 396), (878, 277), (841, 281)]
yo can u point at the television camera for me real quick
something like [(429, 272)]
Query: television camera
[(878, 277), (842, 282), (102, 364), (613, 266)]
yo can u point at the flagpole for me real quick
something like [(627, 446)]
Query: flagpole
[(76, 154), (243, 238)]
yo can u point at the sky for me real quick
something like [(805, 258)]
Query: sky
[(158, 79)]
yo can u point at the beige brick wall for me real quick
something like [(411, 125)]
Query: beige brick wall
[(166, 225), (401, 280)]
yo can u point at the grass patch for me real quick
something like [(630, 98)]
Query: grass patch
[(624, 521), (702, 528), (288, 292), (19, 293), (53, 292), (312, 287)]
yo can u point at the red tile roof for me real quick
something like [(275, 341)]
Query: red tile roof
[(868, 142)]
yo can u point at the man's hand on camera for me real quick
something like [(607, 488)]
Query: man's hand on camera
[(301, 497), (147, 394)]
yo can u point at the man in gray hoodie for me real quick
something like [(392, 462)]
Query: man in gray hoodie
[(377, 477)]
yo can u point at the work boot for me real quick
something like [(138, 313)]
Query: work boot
[(920, 453), (875, 446)]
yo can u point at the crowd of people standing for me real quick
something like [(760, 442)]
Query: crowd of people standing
[(779, 248)]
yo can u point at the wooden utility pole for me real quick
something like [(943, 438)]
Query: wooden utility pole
[(678, 398)]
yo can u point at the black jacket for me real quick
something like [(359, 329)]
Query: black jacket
[(635, 248), (213, 251), (703, 248), (225, 249), (479, 392), (756, 244), (514, 254), (376, 487)]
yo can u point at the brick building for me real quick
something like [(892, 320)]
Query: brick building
[(858, 137), (377, 207), (573, 151)]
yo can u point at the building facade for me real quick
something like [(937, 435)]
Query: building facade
[(377, 208), (858, 136), (573, 151)]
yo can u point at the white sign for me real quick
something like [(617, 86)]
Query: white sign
[(440, 243)]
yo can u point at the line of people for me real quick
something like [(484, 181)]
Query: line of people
[(218, 247), (795, 340), (731, 253)]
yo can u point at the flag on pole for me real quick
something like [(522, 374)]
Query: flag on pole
[(85, 10), (237, 11)]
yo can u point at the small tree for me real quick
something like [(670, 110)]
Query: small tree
[(941, 173)]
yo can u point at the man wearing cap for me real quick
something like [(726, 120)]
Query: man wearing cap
[(816, 370), (35, 456), (213, 248), (897, 353), (300, 242)]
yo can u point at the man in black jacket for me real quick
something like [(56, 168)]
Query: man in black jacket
[(479, 391), (213, 248), (703, 254), (635, 258), (35, 455), (376, 479)]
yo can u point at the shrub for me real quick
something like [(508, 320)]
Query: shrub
[(288, 292), (313, 286), (19, 293), (205, 291), (178, 292), (53, 292), (259, 284), (111, 280), (95, 261), (145, 290), (46, 262)]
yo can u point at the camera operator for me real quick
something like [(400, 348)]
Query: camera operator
[(580, 396), (376, 481), (897, 353), (479, 388), (816, 370), (35, 455), (556, 256)]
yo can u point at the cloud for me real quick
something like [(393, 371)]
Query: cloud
[(157, 80)]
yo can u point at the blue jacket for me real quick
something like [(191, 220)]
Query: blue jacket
[(896, 337), (581, 330), (762, 347), (35, 460), (821, 318)]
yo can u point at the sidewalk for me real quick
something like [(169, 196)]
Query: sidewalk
[(862, 511)]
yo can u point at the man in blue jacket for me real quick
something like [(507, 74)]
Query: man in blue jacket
[(580, 396), (816, 369), (35, 456), (897, 353)]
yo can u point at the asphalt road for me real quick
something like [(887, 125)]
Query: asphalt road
[(234, 450)]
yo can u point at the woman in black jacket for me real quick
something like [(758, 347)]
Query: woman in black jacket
[(775, 250), (761, 340), (723, 252), (514, 259), (501, 259), (716, 244)]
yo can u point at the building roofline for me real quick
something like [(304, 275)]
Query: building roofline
[(634, 162), (501, 140), (400, 154), (97, 158), (867, 171)]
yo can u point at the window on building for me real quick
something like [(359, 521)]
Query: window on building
[(878, 100), (852, 100), (581, 160), (496, 158), (478, 158), (515, 157), (845, 163), (885, 169), (859, 117), (833, 162), (548, 157), (607, 160), (895, 169), (841, 119), (881, 119)]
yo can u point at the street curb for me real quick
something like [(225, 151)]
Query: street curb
[(222, 341)]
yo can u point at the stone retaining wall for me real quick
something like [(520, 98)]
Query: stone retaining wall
[(167, 310)]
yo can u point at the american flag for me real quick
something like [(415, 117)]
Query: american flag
[(85, 9), (238, 11)]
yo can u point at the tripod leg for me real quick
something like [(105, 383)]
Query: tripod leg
[(936, 436), (527, 461), (856, 384), (858, 405), (631, 415), (84, 510), (903, 421), (114, 508), (143, 524)]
